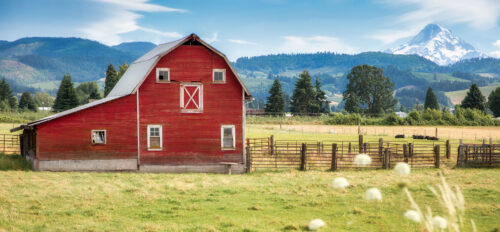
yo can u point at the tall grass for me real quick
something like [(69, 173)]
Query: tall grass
[(13, 162), (22, 117)]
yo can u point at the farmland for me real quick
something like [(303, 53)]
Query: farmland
[(272, 201), (456, 97)]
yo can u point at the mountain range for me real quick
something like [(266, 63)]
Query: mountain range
[(40, 62), (439, 45)]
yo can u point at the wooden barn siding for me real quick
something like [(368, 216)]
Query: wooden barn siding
[(69, 137), (191, 138)]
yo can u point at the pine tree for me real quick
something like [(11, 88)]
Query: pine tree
[(111, 79), (304, 97), (494, 102), (474, 99), (122, 69), (26, 102), (6, 94), (320, 98), (66, 95), (431, 101), (275, 102)]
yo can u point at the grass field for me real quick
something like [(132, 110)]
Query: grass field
[(456, 97), (273, 201)]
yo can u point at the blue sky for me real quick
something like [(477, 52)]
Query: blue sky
[(256, 27)]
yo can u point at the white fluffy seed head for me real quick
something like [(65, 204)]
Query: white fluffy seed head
[(362, 160), (439, 222), (340, 183), (316, 224), (412, 215), (373, 194), (402, 168)]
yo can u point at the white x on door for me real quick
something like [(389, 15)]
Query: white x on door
[(191, 98)]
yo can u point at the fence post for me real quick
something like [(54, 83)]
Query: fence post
[(303, 157), (249, 159), (436, 156), (380, 146), (460, 156), (334, 157), (364, 147), (271, 141), (405, 152), (349, 149), (386, 158), (448, 149), (410, 150), (360, 143)]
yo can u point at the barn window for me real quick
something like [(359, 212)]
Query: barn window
[(155, 136), (98, 136), (227, 137), (162, 75), (219, 76), (191, 98)]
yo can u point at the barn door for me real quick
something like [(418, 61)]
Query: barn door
[(191, 98)]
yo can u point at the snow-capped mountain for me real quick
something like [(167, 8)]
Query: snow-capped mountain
[(439, 45)]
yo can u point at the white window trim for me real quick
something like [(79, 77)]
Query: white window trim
[(200, 98), (158, 75), (105, 137), (161, 137), (222, 137), (223, 76)]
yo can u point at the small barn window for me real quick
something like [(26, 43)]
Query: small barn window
[(219, 76), (154, 137), (191, 96), (227, 137), (98, 136), (162, 75)]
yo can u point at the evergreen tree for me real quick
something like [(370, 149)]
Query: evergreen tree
[(368, 91), (122, 69), (474, 99), (431, 101), (320, 98), (66, 95), (494, 102), (26, 102), (88, 90), (275, 102), (111, 79), (6, 94), (304, 97)]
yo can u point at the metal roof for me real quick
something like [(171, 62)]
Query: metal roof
[(135, 75)]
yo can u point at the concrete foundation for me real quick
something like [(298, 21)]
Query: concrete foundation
[(88, 165), (212, 168)]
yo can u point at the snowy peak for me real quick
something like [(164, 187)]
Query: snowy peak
[(439, 45)]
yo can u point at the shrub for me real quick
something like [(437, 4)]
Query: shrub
[(13, 162)]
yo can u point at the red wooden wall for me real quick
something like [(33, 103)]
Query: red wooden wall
[(69, 137), (191, 138)]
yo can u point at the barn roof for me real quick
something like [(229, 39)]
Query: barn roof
[(135, 75), (140, 68)]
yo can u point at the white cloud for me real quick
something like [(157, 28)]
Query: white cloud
[(479, 14), (496, 53), (122, 18), (211, 39), (240, 41), (297, 44)]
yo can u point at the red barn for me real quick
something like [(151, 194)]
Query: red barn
[(178, 108)]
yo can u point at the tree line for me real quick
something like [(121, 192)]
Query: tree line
[(368, 92)]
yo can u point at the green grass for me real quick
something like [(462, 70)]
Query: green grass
[(456, 97), (13, 162), (272, 201)]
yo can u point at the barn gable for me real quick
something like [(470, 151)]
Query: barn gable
[(139, 69)]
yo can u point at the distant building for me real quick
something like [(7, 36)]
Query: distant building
[(46, 108), (401, 114)]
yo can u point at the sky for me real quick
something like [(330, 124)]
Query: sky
[(256, 27)]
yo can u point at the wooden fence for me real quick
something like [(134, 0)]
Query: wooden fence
[(267, 153), (9, 144), (478, 155)]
